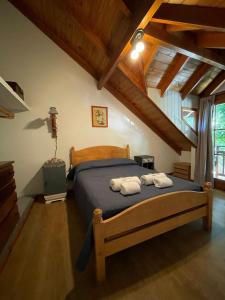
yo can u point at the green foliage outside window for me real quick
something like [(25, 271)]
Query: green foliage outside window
[(220, 125)]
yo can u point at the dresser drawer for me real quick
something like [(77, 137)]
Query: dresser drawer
[(182, 170), (7, 226), (7, 189), (6, 205), (6, 175)]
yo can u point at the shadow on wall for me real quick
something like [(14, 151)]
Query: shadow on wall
[(38, 123), (35, 186)]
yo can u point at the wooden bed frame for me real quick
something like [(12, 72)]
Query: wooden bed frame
[(144, 220)]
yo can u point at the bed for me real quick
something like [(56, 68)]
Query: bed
[(119, 222)]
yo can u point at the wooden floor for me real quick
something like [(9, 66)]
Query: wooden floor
[(186, 263)]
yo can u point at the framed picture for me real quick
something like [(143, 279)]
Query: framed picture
[(99, 116)]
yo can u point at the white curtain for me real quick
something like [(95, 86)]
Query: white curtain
[(204, 154)]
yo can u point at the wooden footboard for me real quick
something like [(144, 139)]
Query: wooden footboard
[(148, 219)]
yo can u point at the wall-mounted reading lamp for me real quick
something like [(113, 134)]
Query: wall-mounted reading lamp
[(53, 112)]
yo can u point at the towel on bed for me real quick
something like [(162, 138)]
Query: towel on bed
[(115, 183), (130, 188), (148, 179), (162, 181)]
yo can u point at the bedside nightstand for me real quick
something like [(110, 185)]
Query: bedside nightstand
[(54, 173), (145, 161)]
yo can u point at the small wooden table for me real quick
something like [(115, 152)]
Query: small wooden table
[(182, 170)]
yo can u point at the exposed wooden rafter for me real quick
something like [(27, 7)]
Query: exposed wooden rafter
[(177, 28), (195, 78), (186, 15), (186, 45), (177, 64), (143, 14), (211, 40), (214, 85)]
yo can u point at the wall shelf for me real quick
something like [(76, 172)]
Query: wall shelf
[(10, 102)]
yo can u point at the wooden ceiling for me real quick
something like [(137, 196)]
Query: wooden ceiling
[(181, 49)]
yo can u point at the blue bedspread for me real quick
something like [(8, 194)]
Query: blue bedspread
[(91, 187)]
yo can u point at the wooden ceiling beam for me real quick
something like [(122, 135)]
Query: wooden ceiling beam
[(213, 85), (195, 78), (185, 44), (176, 65), (150, 56), (198, 16), (143, 14), (211, 40), (177, 28)]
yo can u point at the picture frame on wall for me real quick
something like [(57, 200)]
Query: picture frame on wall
[(99, 116)]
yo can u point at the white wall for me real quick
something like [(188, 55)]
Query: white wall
[(171, 104), (49, 77)]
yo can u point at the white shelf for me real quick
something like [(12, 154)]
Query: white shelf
[(9, 100)]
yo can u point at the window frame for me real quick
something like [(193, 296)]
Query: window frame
[(197, 115)]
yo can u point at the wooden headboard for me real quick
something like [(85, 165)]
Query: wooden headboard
[(98, 152)]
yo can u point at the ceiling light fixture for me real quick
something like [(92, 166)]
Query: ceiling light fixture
[(140, 46), (134, 54), (137, 44)]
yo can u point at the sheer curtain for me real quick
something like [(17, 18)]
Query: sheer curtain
[(204, 154)]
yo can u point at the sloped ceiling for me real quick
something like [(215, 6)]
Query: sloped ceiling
[(96, 34)]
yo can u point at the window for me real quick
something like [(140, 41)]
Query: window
[(219, 141), (190, 117)]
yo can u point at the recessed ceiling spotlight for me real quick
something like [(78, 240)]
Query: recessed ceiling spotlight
[(139, 46), (134, 54)]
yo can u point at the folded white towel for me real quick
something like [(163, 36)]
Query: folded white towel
[(130, 188), (148, 179), (162, 181), (132, 178), (115, 183)]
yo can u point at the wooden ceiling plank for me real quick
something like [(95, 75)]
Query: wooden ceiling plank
[(213, 85), (79, 21), (178, 14), (177, 64), (150, 56), (133, 78), (63, 44), (185, 44), (211, 40), (195, 78), (140, 19)]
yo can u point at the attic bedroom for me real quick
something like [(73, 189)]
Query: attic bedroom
[(112, 155)]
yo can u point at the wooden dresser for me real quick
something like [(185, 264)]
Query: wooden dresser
[(9, 214), (182, 170)]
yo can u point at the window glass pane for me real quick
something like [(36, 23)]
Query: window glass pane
[(219, 141), (220, 137), (220, 116)]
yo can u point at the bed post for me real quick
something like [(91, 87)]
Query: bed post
[(207, 221), (99, 245)]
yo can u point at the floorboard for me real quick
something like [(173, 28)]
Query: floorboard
[(186, 263)]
